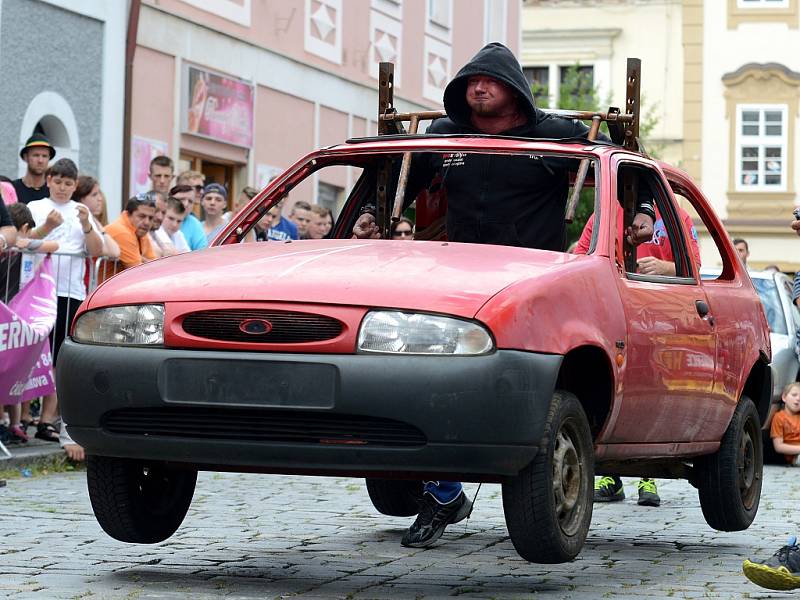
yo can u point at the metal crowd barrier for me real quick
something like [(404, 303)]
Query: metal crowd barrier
[(17, 267)]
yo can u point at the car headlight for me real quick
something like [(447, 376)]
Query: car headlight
[(141, 325), (397, 332)]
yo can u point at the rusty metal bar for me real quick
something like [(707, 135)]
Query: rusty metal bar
[(632, 104), (583, 170), (402, 182), (385, 95), (611, 116)]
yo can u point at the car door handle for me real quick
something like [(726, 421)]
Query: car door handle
[(703, 310)]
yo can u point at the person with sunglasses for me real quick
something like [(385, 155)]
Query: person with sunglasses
[(131, 230), (403, 229)]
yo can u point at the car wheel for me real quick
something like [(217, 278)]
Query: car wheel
[(548, 506), (138, 502), (729, 481), (395, 497)]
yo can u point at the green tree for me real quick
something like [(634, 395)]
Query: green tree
[(578, 92)]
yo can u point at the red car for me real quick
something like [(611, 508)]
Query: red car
[(401, 361)]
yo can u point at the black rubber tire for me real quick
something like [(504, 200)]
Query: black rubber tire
[(395, 497), (138, 502), (729, 481), (548, 506)]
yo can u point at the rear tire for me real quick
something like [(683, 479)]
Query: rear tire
[(548, 506), (395, 497), (729, 481), (136, 501)]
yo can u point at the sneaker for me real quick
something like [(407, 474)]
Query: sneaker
[(433, 518), (781, 572), (608, 489), (648, 493)]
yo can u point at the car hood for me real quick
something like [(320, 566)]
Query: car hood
[(433, 276)]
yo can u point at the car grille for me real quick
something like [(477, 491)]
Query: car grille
[(286, 327), (262, 426)]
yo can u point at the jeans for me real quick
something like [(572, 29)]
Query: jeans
[(443, 492)]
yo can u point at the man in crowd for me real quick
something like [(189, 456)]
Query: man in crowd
[(215, 200), (161, 246), (37, 153), (300, 215), (197, 181), (161, 171), (742, 249), (131, 231), (490, 95), (191, 227)]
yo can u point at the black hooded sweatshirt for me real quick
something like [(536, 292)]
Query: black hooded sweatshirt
[(511, 200)]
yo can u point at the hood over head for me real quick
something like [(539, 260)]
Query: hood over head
[(494, 60)]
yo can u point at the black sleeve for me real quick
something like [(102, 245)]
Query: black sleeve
[(5, 218)]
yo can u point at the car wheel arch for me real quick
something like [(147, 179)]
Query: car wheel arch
[(758, 385), (586, 372)]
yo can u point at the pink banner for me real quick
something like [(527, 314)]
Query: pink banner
[(25, 323), (218, 107)]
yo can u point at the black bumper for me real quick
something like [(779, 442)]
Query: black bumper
[(478, 418)]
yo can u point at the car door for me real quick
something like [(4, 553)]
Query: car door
[(670, 349)]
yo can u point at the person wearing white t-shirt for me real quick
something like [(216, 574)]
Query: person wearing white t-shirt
[(170, 230), (67, 222)]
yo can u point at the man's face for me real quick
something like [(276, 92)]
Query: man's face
[(318, 227), (160, 178), (37, 159), (158, 213), (61, 188), (214, 204), (172, 221), (142, 219), (197, 184), (488, 97), (742, 251), (187, 198), (301, 218)]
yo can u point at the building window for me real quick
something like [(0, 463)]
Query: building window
[(562, 86), (439, 19), (494, 21), (330, 196), (539, 80), (763, 3), (761, 147)]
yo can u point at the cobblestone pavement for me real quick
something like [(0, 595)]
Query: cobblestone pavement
[(258, 536)]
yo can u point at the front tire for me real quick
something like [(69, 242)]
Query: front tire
[(138, 502), (395, 497), (548, 506), (729, 481)]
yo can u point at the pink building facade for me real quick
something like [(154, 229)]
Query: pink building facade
[(239, 89)]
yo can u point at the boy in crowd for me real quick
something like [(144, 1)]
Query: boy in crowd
[(161, 171), (215, 200), (785, 427), (280, 229), (170, 230), (191, 227), (67, 222), (300, 215)]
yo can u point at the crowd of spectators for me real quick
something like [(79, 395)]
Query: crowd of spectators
[(53, 208)]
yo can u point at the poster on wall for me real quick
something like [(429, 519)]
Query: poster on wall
[(217, 107), (265, 174), (142, 152)]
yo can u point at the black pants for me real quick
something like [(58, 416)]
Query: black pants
[(67, 307)]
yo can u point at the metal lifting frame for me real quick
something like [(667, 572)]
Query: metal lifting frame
[(623, 128)]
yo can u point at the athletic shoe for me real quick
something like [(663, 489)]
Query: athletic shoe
[(781, 572), (648, 493), (608, 489), (433, 518)]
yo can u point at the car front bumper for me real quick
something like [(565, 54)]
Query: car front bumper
[(476, 418)]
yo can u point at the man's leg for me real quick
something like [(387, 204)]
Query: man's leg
[(442, 503)]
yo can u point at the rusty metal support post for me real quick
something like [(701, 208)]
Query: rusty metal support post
[(385, 95), (583, 169), (402, 182), (632, 104)]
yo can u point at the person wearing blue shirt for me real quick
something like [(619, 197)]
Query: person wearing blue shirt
[(191, 228)]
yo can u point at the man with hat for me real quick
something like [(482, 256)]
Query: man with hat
[(37, 153), (215, 203)]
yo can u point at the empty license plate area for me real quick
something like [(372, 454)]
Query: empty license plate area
[(248, 383)]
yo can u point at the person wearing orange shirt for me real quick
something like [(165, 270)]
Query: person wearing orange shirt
[(130, 231)]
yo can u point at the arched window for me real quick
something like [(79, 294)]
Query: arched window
[(50, 114)]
